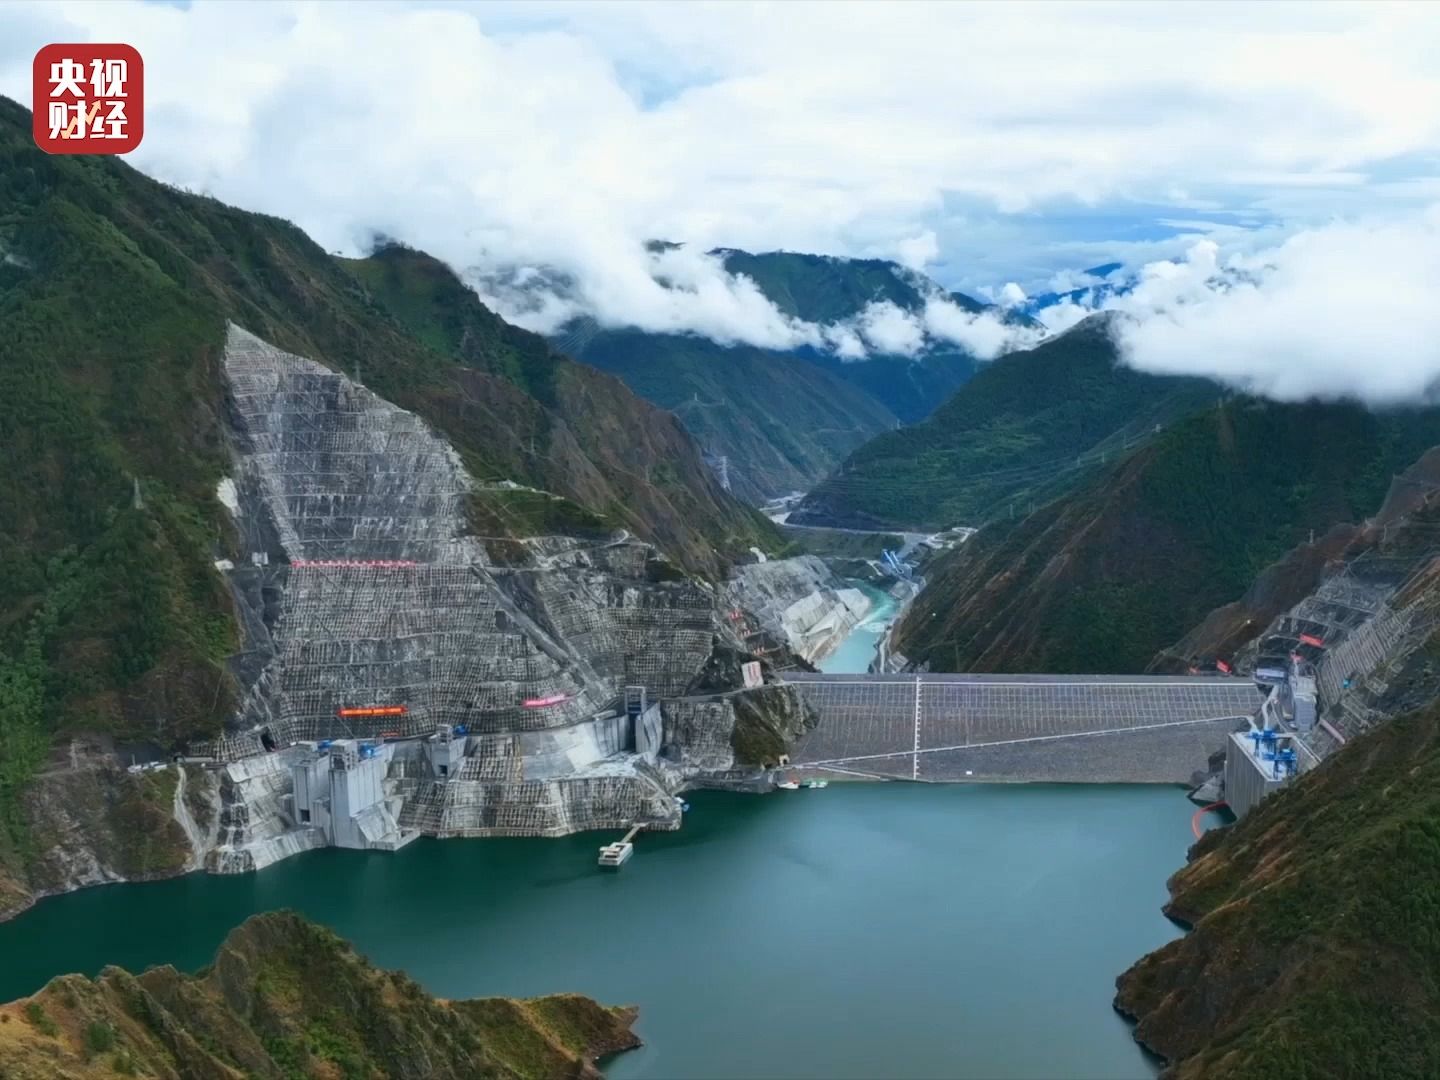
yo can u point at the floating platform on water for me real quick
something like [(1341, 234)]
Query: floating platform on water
[(613, 856)]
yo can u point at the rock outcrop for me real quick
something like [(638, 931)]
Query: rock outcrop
[(287, 998), (93, 822), (799, 602)]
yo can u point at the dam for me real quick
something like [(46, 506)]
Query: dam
[(404, 676), (1058, 728)]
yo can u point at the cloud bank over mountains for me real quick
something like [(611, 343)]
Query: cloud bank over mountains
[(1347, 310), (985, 144), (674, 288)]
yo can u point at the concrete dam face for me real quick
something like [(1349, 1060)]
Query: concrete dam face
[(370, 610)]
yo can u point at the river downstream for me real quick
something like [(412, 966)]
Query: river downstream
[(858, 649)]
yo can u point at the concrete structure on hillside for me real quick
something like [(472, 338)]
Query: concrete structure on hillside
[(458, 688), (1328, 664), (339, 788), (402, 676), (1257, 762)]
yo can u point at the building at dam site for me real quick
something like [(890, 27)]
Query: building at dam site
[(402, 677), (1326, 666)]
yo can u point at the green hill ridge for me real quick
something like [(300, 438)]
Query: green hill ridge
[(1026, 427), (785, 418), (1105, 577), (285, 998), (1313, 953)]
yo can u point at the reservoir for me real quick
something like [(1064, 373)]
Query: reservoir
[(862, 930)]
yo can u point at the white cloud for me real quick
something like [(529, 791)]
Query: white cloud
[(918, 251), (1342, 311), (1012, 294), (562, 136), (845, 342), (982, 334), (891, 329)]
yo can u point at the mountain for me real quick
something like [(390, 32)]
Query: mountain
[(1106, 576), (115, 294), (779, 421), (1098, 283), (529, 414), (1028, 425), (1334, 578), (784, 418), (1312, 952), (287, 998)]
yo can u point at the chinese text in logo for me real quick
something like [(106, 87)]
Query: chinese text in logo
[(89, 99)]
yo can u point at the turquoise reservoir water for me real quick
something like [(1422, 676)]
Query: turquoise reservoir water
[(857, 650), (866, 930)]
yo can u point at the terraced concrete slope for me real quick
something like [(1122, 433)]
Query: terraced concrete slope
[(287, 998), (115, 294), (366, 585), (1102, 579)]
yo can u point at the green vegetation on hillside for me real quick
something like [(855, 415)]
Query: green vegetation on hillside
[(825, 289), (115, 291), (1025, 428), (557, 425), (781, 421), (288, 999), (1102, 579), (785, 418), (1314, 953)]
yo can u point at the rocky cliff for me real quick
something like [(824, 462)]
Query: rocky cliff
[(286, 998), (89, 820), (797, 601)]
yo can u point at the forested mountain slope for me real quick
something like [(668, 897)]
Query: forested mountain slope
[(781, 422), (538, 417), (785, 418), (1103, 578), (1028, 426), (114, 296), (1313, 953)]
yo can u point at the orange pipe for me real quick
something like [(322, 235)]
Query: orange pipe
[(1195, 818)]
